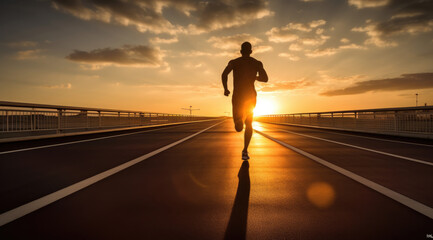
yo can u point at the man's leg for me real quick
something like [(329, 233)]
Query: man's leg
[(250, 105), (237, 115), (248, 131)]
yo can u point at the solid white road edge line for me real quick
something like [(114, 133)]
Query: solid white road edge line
[(32, 206), (85, 140), (417, 206), (380, 139), (362, 148)]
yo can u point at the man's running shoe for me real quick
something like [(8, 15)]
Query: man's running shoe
[(245, 156)]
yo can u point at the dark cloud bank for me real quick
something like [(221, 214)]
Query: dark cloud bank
[(127, 55), (409, 16), (147, 15), (404, 82)]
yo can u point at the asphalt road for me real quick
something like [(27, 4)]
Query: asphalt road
[(300, 183)]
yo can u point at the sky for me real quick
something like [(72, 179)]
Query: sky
[(162, 56)]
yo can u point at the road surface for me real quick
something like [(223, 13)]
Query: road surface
[(189, 182)]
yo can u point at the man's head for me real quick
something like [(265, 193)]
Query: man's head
[(246, 49)]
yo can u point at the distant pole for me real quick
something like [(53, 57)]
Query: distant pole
[(190, 109), (416, 97)]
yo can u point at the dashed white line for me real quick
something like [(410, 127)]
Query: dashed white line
[(25, 209), (417, 206)]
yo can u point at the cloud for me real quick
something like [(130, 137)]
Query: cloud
[(332, 51), (404, 82), (22, 44), (158, 40), (291, 57), (233, 42), (282, 86), (148, 15), (29, 54), (368, 3), (144, 15), (299, 32), (195, 53), (59, 86), (128, 55), (344, 40), (411, 24), (374, 36), (219, 14), (262, 49), (232, 45), (328, 80), (295, 47), (351, 46), (315, 41), (408, 17), (203, 89), (321, 52), (317, 23)]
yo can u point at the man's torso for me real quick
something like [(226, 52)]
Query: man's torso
[(244, 75)]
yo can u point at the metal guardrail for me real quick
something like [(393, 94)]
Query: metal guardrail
[(28, 117), (406, 121)]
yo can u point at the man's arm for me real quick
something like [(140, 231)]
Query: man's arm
[(263, 76), (224, 78)]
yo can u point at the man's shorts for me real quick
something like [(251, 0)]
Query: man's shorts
[(243, 109)]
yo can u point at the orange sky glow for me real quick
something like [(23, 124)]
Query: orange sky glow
[(162, 56)]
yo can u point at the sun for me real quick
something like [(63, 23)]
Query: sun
[(265, 106)]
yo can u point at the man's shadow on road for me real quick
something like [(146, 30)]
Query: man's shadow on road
[(237, 227)]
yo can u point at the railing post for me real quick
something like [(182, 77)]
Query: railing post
[(31, 120), (395, 121), (87, 118), (135, 118), (332, 119), (7, 121), (59, 120), (99, 119), (356, 120)]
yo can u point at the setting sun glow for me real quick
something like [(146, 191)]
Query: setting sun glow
[(265, 106)]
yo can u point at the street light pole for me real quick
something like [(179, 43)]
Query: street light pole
[(190, 109), (416, 96)]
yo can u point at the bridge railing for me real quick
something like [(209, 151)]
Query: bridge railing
[(27, 117), (407, 121)]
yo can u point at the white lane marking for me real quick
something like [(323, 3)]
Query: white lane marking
[(362, 148), (379, 139), (417, 206), (85, 140), (353, 135), (27, 208)]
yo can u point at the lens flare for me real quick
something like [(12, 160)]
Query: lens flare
[(321, 194)]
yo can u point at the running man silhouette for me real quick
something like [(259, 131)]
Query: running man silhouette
[(245, 70)]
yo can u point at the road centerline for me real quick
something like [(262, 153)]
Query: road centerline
[(32, 206)]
